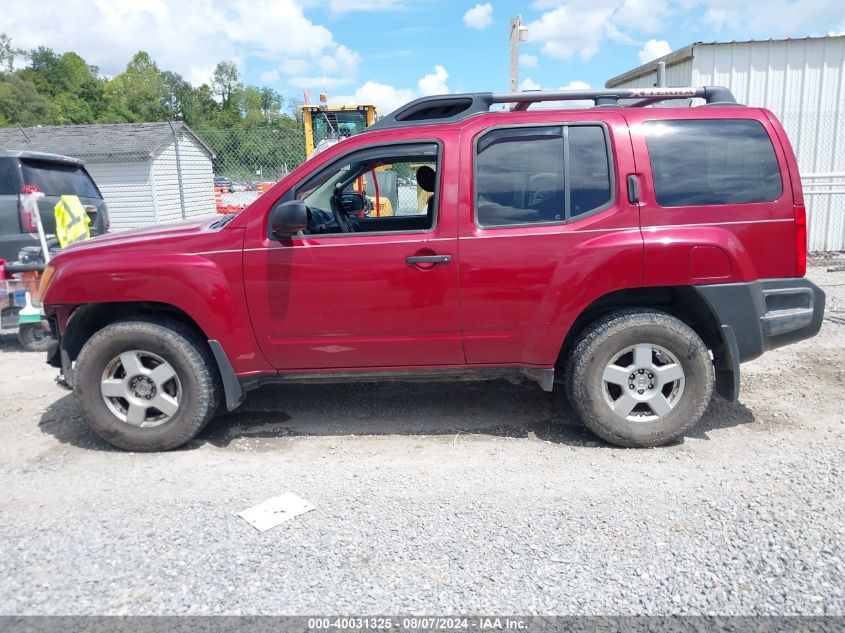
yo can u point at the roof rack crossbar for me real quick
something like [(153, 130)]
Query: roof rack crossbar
[(457, 107)]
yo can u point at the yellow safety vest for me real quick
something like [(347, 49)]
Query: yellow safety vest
[(71, 221)]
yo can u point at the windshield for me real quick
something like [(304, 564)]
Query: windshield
[(338, 124), (58, 179)]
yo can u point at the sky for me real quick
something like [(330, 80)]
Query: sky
[(391, 51)]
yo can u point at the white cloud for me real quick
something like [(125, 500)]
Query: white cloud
[(269, 76), (577, 28), (388, 97), (272, 28), (771, 18), (200, 73), (434, 83), (342, 62), (528, 61), (479, 17), (654, 49), (347, 6), (575, 84), (189, 38), (643, 16), (839, 31), (573, 29), (528, 84)]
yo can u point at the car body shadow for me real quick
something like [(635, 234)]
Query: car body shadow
[(467, 409)]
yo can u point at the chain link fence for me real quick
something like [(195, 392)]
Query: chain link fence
[(248, 162), (818, 139)]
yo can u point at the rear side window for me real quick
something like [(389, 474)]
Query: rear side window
[(707, 162), (541, 175), (58, 179)]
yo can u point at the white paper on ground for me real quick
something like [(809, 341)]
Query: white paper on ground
[(275, 511)]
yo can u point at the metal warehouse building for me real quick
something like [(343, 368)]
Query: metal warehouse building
[(147, 172), (803, 82)]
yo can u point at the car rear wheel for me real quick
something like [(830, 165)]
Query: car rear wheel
[(34, 337), (146, 385), (639, 378)]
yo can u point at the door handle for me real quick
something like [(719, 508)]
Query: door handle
[(633, 189), (429, 259)]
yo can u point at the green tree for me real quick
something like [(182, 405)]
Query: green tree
[(21, 103), (69, 109), (136, 94), (226, 82), (176, 96), (7, 54), (202, 109), (259, 107), (74, 87)]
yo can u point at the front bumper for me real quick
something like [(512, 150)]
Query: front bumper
[(758, 316)]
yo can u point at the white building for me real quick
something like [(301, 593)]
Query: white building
[(803, 82), (147, 172)]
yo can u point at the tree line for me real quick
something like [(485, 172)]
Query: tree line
[(55, 88)]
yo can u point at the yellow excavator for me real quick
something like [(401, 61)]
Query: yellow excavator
[(324, 125)]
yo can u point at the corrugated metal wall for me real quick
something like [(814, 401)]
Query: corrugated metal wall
[(197, 178), (803, 83), (676, 75), (197, 181), (166, 183), (126, 189)]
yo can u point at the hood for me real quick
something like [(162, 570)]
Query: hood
[(147, 237)]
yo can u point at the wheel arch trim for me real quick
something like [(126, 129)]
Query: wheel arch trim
[(232, 389)]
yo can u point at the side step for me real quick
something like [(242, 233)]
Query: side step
[(543, 377)]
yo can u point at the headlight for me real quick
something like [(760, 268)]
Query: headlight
[(46, 278)]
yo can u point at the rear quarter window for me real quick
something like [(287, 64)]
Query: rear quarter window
[(711, 162), (58, 179)]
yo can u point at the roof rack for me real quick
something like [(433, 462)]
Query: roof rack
[(457, 107)]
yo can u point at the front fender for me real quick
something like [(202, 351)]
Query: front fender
[(206, 287)]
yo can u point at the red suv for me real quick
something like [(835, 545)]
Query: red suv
[(640, 254)]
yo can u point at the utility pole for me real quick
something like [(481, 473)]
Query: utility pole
[(519, 33)]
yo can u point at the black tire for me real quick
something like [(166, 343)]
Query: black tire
[(34, 337), (183, 349), (591, 398)]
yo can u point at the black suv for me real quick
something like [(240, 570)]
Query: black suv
[(55, 176)]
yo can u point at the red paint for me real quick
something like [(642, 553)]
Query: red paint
[(508, 297), (708, 264)]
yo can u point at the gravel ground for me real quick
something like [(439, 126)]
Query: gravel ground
[(434, 498)]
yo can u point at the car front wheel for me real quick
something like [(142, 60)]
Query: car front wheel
[(639, 378), (146, 385)]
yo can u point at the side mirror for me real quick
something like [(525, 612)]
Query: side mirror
[(287, 219), (353, 202)]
